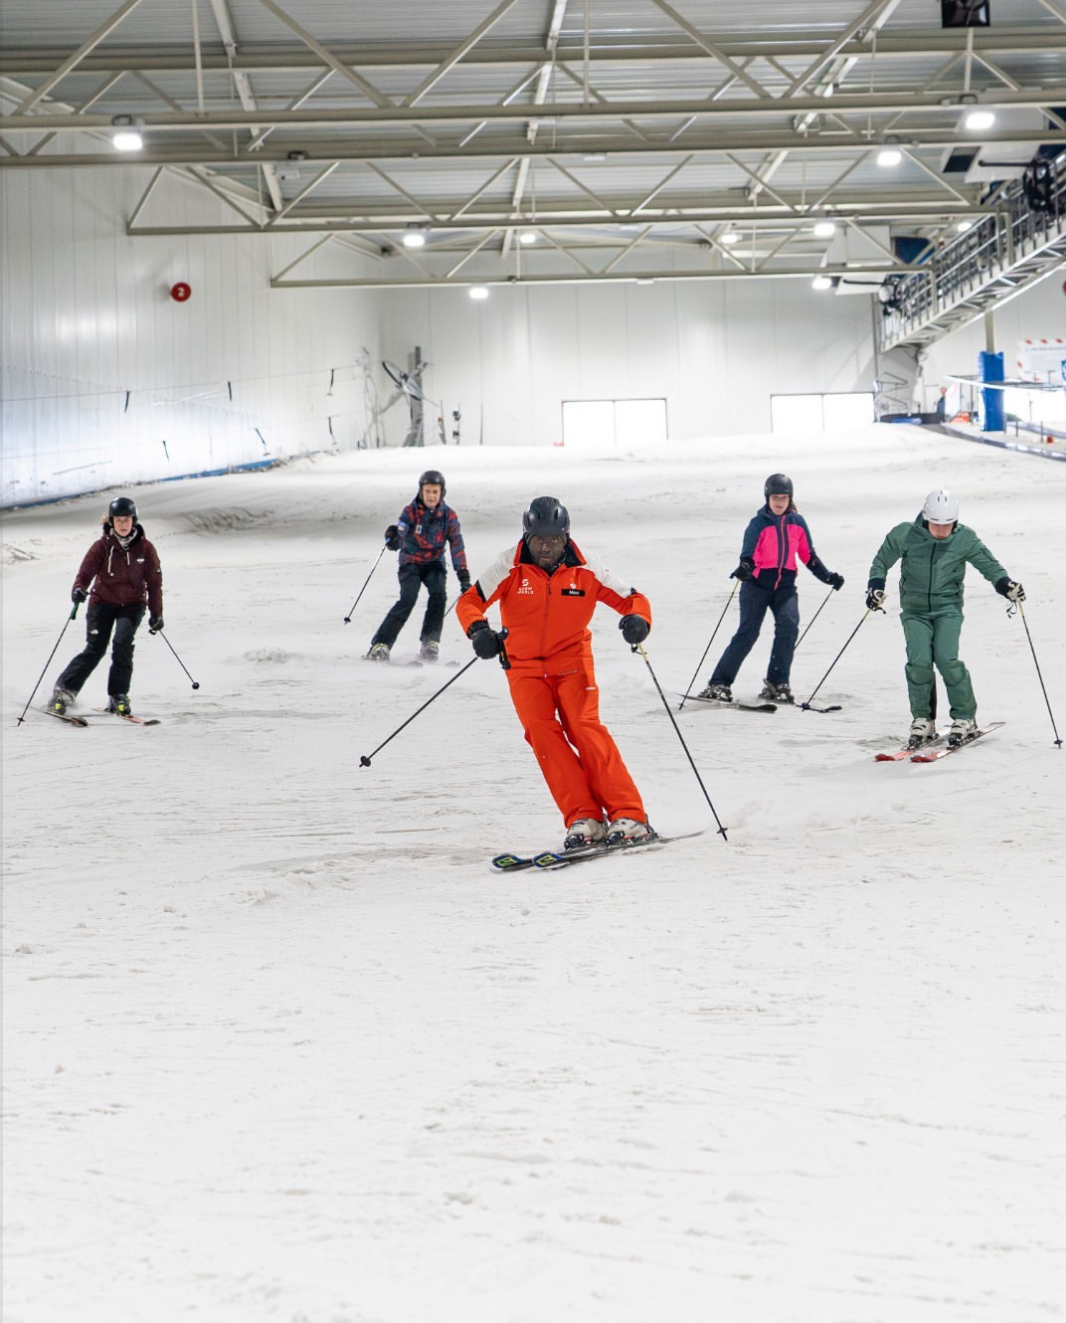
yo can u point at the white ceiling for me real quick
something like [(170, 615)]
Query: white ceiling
[(630, 137)]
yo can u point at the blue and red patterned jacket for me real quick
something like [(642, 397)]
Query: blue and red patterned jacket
[(423, 533), (773, 542)]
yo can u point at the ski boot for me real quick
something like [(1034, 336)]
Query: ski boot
[(584, 833), (921, 732), (775, 693), (430, 650), (962, 729), (59, 702), (718, 693), (119, 704), (628, 831), (379, 652)]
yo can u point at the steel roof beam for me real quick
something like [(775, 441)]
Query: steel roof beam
[(411, 117), (327, 150), (265, 57)]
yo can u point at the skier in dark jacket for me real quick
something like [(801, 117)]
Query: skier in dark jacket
[(933, 552), (119, 576), (773, 541), (420, 535)]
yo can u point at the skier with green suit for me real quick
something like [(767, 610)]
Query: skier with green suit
[(934, 551)]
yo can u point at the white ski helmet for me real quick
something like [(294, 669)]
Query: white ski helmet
[(941, 508)]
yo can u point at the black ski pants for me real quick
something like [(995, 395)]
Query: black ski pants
[(100, 619), (755, 601), (412, 577)]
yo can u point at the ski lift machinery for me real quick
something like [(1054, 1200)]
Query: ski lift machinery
[(408, 385)]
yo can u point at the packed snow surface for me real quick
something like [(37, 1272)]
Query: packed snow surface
[(279, 1046)]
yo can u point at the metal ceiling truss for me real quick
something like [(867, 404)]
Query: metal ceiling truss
[(600, 143)]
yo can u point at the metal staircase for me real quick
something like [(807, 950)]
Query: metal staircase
[(1003, 253)]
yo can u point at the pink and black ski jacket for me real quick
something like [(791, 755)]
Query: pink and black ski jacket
[(773, 543)]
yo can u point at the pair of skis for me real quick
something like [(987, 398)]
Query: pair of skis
[(933, 750), (734, 703), (549, 859), (72, 720)]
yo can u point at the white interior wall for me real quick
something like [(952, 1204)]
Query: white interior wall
[(107, 380), (714, 350)]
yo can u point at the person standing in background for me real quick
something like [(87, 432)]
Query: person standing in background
[(119, 576), (421, 534)]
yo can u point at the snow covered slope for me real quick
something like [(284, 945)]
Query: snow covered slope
[(278, 1045)]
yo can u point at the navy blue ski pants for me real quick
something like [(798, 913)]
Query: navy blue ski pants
[(755, 601)]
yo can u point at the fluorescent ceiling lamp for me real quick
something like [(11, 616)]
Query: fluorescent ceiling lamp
[(527, 236), (127, 140), (980, 119), (821, 282), (478, 292), (824, 230), (888, 157)]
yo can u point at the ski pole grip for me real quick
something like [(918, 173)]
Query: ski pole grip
[(504, 660)]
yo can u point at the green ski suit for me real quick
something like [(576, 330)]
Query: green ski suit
[(930, 596)]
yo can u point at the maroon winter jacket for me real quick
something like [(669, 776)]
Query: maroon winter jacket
[(123, 577)]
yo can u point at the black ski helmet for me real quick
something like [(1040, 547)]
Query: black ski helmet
[(546, 517), (121, 505), (435, 477), (777, 484)]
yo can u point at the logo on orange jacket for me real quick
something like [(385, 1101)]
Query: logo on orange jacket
[(525, 587)]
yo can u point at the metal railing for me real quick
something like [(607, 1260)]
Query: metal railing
[(1003, 249)]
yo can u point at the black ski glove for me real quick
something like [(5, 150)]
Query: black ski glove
[(392, 538), (875, 599), (1012, 591), (835, 581), (464, 581), (155, 624), (78, 595), (745, 570), (487, 642), (635, 629)]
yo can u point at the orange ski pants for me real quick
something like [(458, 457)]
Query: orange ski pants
[(560, 714)]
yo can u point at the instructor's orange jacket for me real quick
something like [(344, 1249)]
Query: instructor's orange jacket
[(547, 616)]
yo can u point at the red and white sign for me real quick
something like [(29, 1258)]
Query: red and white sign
[(180, 292), (1041, 360)]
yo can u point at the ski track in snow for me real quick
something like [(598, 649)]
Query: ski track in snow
[(279, 1046)]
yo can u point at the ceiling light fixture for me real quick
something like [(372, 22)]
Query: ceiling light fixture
[(824, 229), (730, 237), (478, 292), (127, 136), (821, 282), (964, 225), (890, 154), (414, 237), (979, 119), (528, 236)]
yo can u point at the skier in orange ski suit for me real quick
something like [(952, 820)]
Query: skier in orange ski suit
[(547, 591)]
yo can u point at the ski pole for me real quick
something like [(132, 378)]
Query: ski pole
[(638, 647), (348, 617), (1040, 677), (707, 649), (365, 758), (806, 707), (48, 663), (814, 617), (195, 683)]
